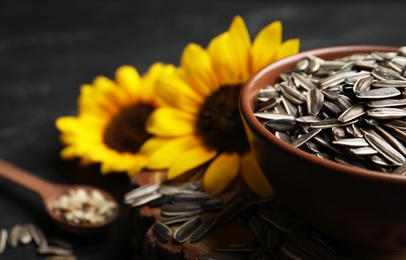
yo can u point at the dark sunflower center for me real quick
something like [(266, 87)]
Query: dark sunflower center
[(126, 131), (219, 122)]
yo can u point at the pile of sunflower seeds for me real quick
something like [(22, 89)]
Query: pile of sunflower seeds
[(350, 110), (23, 234), (182, 204), (80, 206), (277, 231)]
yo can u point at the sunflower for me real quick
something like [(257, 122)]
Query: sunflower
[(110, 126), (201, 126)]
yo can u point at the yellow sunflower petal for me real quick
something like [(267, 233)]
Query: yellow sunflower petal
[(221, 59), (96, 102), (75, 129), (102, 83), (189, 160), (132, 164), (198, 69), (163, 152), (239, 44), (221, 172), (176, 93), (266, 45), (129, 78), (288, 48), (254, 177), (156, 71), (168, 121)]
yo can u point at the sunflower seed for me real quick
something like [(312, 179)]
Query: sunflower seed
[(378, 93), (204, 227), (292, 94), (269, 104), (363, 150), (304, 138), (25, 236), (362, 84), (180, 209), (3, 239), (383, 73), (392, 140), (139, 192), (315, 100), (335, 79), (389, 84), (301, 65), (213, 204), (386, 112), (331, 122), (283, 136), (285, 125), (386, 103), (140, 201), (343, 102), (303, 81), (178, 218), (398, 133), (274, 241), (399, 124), (54, 250), (186, 230), (352, 113), (333, 108), (380, 161), (307, 119), (267, 93), (384, 148), (163, 199), (38, 235), (161, 232), (290, 108), (14, 235), (357, 76), (190, 197), (272, 116), (351, 142)]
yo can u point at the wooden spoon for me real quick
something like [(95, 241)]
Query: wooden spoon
[(49, 192)]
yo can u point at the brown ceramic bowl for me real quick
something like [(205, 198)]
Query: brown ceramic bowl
[(358, 206)]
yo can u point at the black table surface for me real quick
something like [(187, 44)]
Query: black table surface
[(49, 48)]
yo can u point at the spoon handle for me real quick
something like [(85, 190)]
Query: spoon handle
[(25, 179)]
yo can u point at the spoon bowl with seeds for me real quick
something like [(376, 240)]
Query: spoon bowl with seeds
[(337, 158), (77, 209)]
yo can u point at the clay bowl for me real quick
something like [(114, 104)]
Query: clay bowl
[(358, 206)]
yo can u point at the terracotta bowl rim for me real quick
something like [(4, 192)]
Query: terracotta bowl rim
[(246, 109)]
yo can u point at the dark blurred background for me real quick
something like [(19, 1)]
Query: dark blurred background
[(49, 48)]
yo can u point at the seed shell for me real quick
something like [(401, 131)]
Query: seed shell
[(161, 232), (378, 93), (204, 227), (186, 230), (386, 112), (3, 239), (385, 149)]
